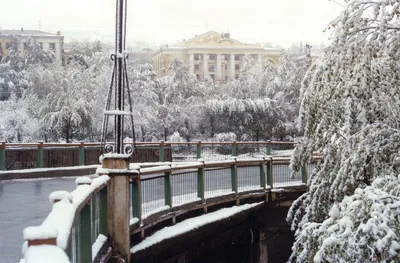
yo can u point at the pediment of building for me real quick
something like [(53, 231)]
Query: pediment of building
[(211, 38)]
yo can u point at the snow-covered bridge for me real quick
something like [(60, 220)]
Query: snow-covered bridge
[(84, 225)]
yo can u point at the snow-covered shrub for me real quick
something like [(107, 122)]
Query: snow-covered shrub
[(224, 137), (175, 137)]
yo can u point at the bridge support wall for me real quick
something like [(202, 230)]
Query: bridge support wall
[(258, 236)]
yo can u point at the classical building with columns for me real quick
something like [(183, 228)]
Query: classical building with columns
[(213, 55)]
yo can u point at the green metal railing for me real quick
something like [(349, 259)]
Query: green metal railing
[(14, 156), (159, 189), (172, 185)]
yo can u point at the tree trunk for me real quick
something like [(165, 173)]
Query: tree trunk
[(212, 124), (67, 132), (257, 134)]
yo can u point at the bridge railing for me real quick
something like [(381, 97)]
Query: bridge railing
[(76, 227), (168, 186), (14, 156), (218, 151)]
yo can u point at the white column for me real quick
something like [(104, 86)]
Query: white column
[(191, 63), (259, 62), (231, 67), (218, 68), (46, 46), (205, 66), (58, 51)]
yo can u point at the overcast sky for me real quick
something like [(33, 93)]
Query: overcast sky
[(280, 22)]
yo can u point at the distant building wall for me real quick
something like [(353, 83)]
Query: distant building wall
[(48, 41)]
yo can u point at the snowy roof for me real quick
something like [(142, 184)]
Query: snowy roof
[(27, 33)]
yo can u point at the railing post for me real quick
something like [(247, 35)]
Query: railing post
[(136, 198), (40, 155), (200, 183), (234, 148), (118, 201), (268, 147), (198, 150), (270, 175), (85, 236), (93, 208), (103, 211), (168, 189), (81, 153), (2, 156), (234, 178), (161, 155), (262, 174), (304, 175)]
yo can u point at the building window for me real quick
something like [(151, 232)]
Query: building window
[(211, 69), (196, 67), (41, 45), (236, 76), (212, 76), (196, 57), (237, 57), (226, 67), (197, 76), (25, 46), (211, 57), (8, 45), (237, 67), (52, 46)]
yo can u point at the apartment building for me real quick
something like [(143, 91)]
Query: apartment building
[(48, 41)]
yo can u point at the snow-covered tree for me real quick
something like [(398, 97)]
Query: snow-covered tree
[(65, 107), (143, 83), (363, 227), (12, 82), (14, 58), (16, 123), (349, 113), (243, 106), (282, 83), (175, 95), (82, 51), (36, 55)]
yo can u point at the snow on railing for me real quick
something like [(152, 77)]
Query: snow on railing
[(77, 221)]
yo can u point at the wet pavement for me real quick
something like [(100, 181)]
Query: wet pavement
[(24, 203)]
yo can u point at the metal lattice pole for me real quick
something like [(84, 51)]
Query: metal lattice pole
[(119, 89)]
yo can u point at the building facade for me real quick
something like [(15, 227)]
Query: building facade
[(213, 55), (48, 41)]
